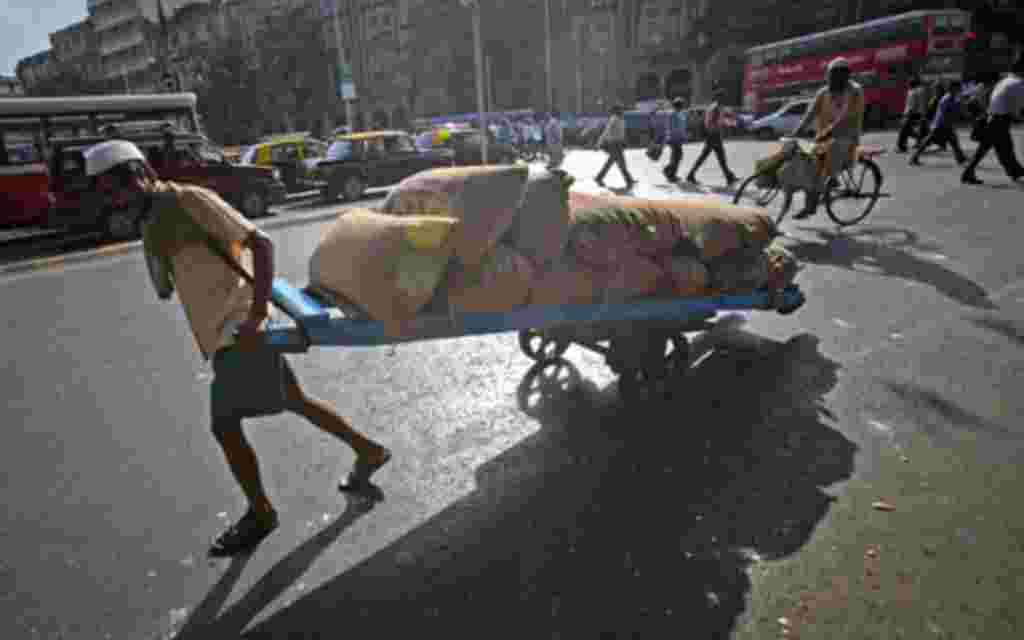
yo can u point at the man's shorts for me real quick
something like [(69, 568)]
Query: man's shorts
[(248, 384)]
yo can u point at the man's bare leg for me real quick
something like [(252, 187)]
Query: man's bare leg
[(261, 518), (371, 456), (242, 461)]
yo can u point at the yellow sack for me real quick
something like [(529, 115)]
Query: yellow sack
[(390, 266)]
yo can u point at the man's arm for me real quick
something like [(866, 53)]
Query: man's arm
[(808, 116), (263, 279), (806, 120)]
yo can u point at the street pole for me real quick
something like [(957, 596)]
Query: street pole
[(490, 97), (547, 54), (478, 47), (579, 67), (342, 64)]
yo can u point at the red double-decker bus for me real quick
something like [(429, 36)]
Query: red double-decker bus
[(883, 55)]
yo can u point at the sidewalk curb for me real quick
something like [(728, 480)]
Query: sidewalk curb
[(40, 264)]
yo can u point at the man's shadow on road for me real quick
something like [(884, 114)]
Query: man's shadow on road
[(611, 518), (206, 619), (853, 250)]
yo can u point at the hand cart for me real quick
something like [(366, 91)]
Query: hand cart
[(643, 341)]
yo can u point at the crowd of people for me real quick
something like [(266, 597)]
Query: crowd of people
[(991, 105)]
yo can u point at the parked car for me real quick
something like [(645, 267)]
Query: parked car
[(781, 122), (465, 147), (359, 161), (181, 157), (296, 155), (24, 186)]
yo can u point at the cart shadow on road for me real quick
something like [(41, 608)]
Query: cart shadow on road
[(867, 250), (637, 519)]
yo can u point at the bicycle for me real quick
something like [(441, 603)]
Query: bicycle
[(843, 192)]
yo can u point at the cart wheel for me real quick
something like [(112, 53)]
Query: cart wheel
[(541, 347), (636, 385), (677, 361)]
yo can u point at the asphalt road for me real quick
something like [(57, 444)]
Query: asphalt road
[(538, 504)]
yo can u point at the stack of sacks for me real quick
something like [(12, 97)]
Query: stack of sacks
[(389, 266), (621, 248)]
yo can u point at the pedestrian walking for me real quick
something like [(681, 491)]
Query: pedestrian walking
[(222, 267), (675, 137), (613, 143), (942, 125), (935, 94), (553, 139), (1005, 105), (913, 114), (715, 117)]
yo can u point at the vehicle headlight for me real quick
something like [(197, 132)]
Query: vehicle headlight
[(277, 174)]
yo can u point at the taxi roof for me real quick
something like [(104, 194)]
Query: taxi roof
[(366, 135), (285, 138)]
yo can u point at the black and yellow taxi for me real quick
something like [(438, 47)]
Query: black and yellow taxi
[(356, 162), (295, 155)]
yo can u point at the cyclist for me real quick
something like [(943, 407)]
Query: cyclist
[(838, 113)]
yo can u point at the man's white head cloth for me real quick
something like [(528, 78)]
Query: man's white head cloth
[(104, 156), (839, 64)]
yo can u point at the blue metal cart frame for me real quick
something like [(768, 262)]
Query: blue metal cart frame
[(643, 341)]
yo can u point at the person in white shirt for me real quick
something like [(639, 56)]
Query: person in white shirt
[(913, 113), (613, 142), (1005, 105), (553, 140)]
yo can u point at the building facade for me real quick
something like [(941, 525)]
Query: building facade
[(74, 49), (35, 69), (10, 87), (126, 39)]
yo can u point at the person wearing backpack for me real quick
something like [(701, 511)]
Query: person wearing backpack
[(222, 267)]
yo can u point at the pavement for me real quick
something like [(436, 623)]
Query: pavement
[(848, 471)]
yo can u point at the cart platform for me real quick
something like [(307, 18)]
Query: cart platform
[(316, 324)]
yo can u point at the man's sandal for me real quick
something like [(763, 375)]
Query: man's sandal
[(245, 535), (358, 480)]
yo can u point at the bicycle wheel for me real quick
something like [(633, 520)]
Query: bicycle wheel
[(749, 190), (850, 196)]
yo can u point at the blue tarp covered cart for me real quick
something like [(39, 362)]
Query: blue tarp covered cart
[(643, 341)]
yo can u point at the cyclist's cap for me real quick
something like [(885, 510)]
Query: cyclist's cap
[(839, 64), (105, 156)]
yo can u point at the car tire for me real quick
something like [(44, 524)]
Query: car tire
[(122, 225), (254, 205), (353, 188)]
